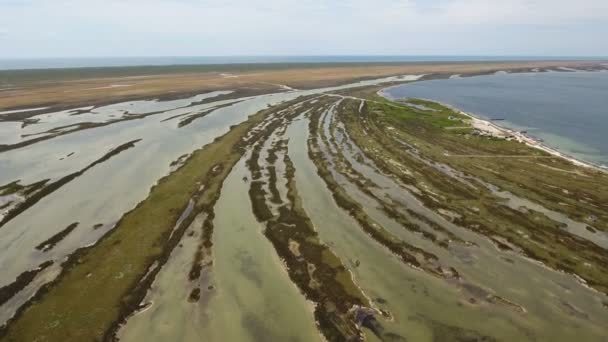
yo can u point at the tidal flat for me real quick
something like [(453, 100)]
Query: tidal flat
[(273, 214)]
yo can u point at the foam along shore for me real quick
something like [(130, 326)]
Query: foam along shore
[(497, 131)]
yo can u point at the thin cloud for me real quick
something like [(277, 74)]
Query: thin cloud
[(214, 27)]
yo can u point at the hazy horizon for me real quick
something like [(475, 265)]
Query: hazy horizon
[(287, 55), (138, 28), (156, 61)]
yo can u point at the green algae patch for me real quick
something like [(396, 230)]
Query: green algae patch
[(10, 188), (330, 259)]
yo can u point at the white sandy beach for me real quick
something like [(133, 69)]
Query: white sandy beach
[(503, 132)]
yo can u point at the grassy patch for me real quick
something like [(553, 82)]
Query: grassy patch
[(554, 183), (98, 285)]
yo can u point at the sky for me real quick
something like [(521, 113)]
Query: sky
[(124, 28)]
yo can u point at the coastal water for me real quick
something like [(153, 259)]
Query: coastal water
[(567, 110), (96, 62)]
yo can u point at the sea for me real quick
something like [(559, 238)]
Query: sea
[(89, 62), (568, 111)]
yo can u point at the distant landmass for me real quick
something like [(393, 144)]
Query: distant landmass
[(92, 62)]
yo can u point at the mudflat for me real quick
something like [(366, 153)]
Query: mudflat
[(74, 87), (289, 203)]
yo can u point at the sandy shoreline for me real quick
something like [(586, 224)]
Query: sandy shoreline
[(507, 133)]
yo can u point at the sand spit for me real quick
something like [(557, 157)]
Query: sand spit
[(506, 133)]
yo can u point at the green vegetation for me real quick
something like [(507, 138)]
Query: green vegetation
[(10, 188), (37, 191), (454, 174), (102, 284), (316, 270), (8, 291), (401, 248), (441, 117), (418, 146), (48, 244), (25, 77)]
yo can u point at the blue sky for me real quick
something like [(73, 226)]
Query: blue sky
[(89, 28)]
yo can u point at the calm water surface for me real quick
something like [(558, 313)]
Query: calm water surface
[(46, 63), (568, 110)]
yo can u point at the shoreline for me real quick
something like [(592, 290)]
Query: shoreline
[(61, 88), (505, 133), (502, 132)]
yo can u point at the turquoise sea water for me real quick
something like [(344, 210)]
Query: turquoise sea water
[(567, 110)]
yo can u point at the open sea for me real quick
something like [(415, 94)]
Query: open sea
[(567, 110), (53, 63)]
